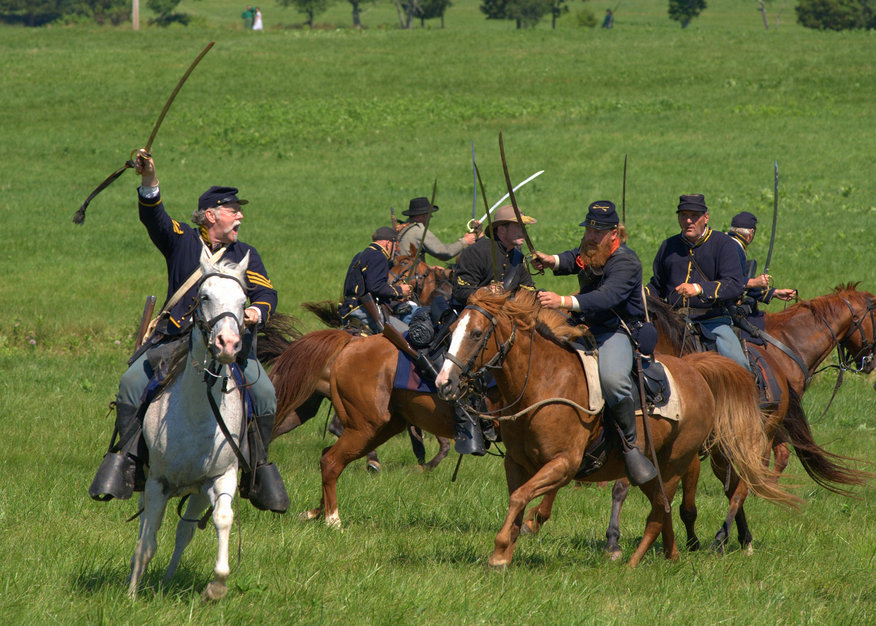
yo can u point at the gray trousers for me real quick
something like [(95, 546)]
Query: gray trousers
[(136, 379), (727, 343), (615, 366)]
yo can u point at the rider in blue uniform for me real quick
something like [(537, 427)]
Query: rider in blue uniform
[(609, 302), (217, 221), (368, 275), (699, 271)]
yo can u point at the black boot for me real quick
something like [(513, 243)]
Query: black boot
[(121, 471), (468, 438), (639, 469), (264, 487)]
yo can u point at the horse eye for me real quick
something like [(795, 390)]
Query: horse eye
[(477, 334)]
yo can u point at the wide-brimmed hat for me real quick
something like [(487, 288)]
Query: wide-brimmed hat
[(419, 206), (692, 202), (219, 196), (601, 215), (505, 214), (744, 220), (384, 233)]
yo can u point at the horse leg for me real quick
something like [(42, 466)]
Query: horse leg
[(659, 521), (736, 492), (549, 478), (336, 428), (153, 502), (537, 516), (351, 445), (443, 451), (618, 495), (185, 530), (416, 437), (687, 511), (221, 494)]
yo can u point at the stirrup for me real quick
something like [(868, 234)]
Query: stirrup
[(268, 492), (115, 478), (594, 457), (639, 469)]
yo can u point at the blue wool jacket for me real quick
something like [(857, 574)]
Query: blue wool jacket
[(368, 273), (712, 262), (608, 294), (181, 246)]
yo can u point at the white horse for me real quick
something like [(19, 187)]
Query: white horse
[(188, 453)]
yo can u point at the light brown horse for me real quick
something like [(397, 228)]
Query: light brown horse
[(546, 426), (356, 373), (427, 282), (843, 319)]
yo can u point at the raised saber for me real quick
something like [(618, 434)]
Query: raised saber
[(79, 216), (474, 199), (489, 225), (505, 197), (766, 267), (514, 199), (624, 195)]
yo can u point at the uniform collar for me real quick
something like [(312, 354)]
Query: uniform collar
[(703, 238), (735, 237)]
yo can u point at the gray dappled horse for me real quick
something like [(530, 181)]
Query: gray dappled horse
[(188, 453)]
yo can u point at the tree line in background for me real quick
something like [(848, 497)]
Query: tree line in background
[(817, 14)]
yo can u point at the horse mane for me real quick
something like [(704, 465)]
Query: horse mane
[(273, 339), (523, 307), (669, 324), (823, 306), (326, 311)]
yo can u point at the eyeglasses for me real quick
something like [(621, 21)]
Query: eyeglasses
[(231, 211)]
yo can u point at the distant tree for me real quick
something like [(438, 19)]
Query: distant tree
[(310, 8), (166, 13), (558, 7), (526, 13), (406, 10), (684, 11), (40, 12), (357, 22), (430, 9), (837, 14)]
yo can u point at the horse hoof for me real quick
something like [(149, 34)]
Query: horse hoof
[(526, 529), (333, 522), (306, 516), (615, 555), (748, 550), (497, 565), (214, 592), (373, 467)]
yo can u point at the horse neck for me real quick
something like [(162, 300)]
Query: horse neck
[(813, 335), (194, 382)]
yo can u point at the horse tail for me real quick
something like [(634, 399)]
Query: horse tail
[(326, 311), (273, 339), (822, 466), (738, 429), (297, 371)]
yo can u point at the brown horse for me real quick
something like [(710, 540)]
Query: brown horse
[(357, 374), (427, 282), (301, 368), (546, 425), (808, 332)]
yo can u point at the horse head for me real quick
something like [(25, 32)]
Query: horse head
[(221, 300), (857, 346)]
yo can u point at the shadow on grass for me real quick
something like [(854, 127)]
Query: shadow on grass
[(91, 581)]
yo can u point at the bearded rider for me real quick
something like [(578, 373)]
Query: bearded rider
[(217, 220), (609, 302)]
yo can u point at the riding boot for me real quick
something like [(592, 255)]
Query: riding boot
[(121, 471), (468, 438), (264, 487), (639, 469)]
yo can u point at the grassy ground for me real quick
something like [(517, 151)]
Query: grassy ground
[(323, 131)]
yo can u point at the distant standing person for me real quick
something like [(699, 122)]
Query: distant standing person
[(608, 22), (247, 18), (257, 19)]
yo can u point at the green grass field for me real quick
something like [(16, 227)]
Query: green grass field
[(323, 131)]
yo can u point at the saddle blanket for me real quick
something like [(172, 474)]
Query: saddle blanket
[(671, 410), (407, 376)]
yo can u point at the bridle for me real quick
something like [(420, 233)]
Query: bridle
[(497, 359), (864, 356), (208, 326)]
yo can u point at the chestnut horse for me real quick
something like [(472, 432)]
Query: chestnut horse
[(356, 373), (427, 282), (546, 426), (810, 330)]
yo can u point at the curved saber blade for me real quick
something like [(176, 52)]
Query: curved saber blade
[(766, 266), (474, 183), (489, 224), (505, 197), (517, 213), (79, 216)]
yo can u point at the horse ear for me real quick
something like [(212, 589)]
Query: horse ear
[(244, 262)]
